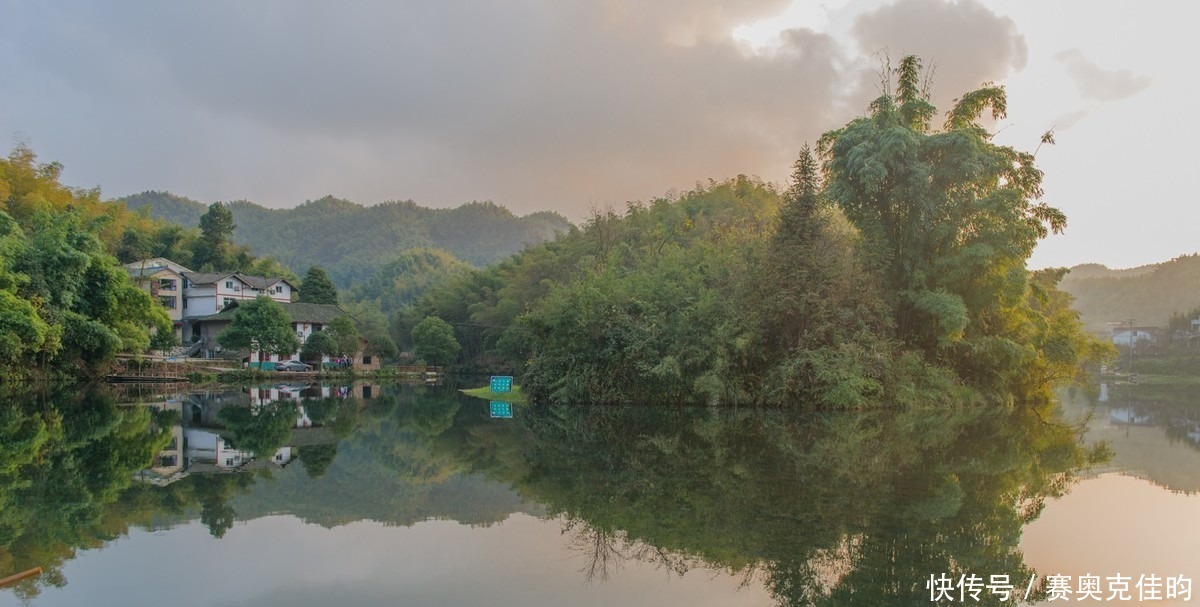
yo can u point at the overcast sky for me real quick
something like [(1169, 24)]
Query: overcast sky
[(550, 104)]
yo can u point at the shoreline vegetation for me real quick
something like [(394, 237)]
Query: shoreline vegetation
[(891, 271)]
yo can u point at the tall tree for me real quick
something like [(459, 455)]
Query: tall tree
[(434, 342), (317, 287), (216, 233), (261, 325), (952, 218)]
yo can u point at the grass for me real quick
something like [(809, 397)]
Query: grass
[(1168, 380), (516, 396)]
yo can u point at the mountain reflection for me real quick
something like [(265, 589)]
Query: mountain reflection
[(828, 509)]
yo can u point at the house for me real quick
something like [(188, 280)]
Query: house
[(208, 293), (187, 295), (1126, 335), (307, 318), (164, 280)]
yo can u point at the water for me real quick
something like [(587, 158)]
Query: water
[(403, 495)]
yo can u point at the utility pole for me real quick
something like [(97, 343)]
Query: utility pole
[(1132, 336)]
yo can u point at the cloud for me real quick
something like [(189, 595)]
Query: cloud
[(963, 40), (1100, 84), (533, 103)]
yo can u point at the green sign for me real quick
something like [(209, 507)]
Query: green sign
[(501, 383), (500, 410)]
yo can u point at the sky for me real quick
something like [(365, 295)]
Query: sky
[(586, 104)]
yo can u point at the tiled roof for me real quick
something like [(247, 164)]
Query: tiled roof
[(258, 282), (144, 272), (299, 312)]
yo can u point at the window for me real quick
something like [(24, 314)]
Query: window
[(229, 461), (228, 284), (167, 301), (185, 303), (316, 327), (167, 461), (279, 457), (226, 301), (366, 360), (279, 288), (166, 284)]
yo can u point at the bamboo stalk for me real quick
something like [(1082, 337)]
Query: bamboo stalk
[(12, 579)]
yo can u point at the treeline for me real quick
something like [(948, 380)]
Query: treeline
[(892, 270), (351, 241), (66, 305), (1150, 294)]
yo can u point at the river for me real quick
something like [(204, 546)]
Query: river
[(388, 494)]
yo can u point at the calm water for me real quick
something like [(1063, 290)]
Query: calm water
[(386, 495)]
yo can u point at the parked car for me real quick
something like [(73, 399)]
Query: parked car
[(292, 365)]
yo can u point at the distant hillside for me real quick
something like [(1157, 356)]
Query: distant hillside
[(350, 239), (1148, 294)]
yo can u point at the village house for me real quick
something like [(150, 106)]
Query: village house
[(307, 318), (188, 295), (163, 280)]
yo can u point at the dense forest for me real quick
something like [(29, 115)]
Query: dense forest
[(66, 305), (350, 241), (892, 270), (1150, 295)]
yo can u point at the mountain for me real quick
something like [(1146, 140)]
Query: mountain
[(1148, 294), (350, 240)]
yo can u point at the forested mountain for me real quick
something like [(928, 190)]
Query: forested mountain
[(1148, 294), (350, 240)]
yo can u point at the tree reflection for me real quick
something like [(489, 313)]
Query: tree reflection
[(65, 457), (832, 509), (857, 507)]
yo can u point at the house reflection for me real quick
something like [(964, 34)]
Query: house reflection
[(202, 444)]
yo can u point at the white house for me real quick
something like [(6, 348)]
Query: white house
[(163, 280), (1136, 335), (209, 293)]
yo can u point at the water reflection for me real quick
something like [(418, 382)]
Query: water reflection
[(1154, 430), (828, 509)]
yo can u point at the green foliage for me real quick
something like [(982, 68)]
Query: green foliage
[(402, 279), (216, 234), (951, 219), (320, 343), (433, 341), (68, 307), (260, 325), (317, 288), (345, 335)]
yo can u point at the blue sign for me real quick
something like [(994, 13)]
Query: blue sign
[(500, 410), (501, 384)]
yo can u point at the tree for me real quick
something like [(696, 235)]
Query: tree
[(434, 342), (319, 344), (216, 231), (262, 325), (950, 219), (345, 333), (318, 288)]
